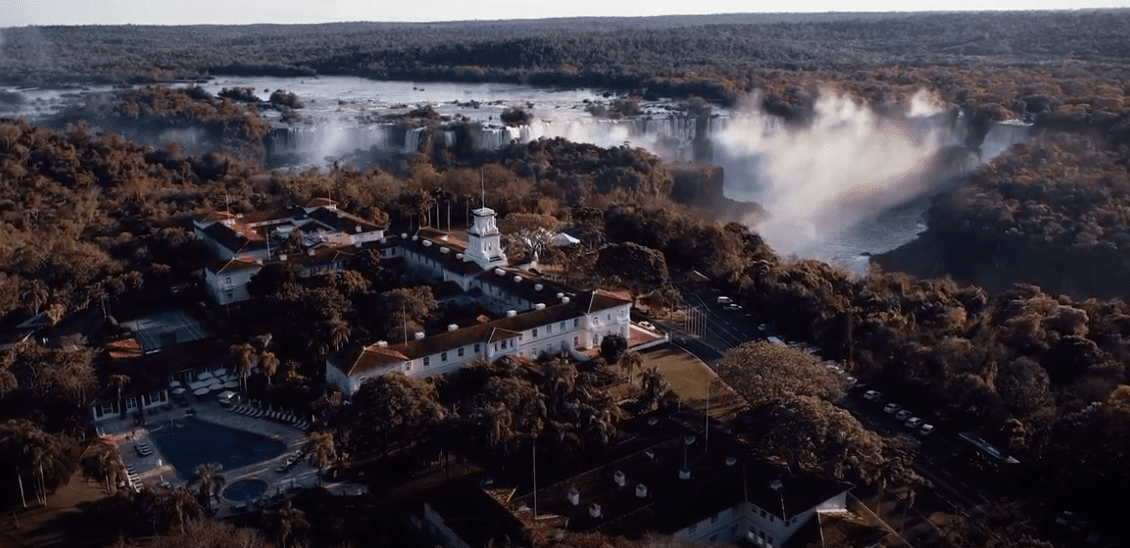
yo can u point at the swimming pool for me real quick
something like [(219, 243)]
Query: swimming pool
[(189, 442)]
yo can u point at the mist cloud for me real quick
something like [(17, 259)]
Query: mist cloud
[(820, 180)]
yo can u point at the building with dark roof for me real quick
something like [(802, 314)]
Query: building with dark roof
[(696, 486), (460, 515)]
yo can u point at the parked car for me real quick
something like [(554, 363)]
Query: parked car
[(892, 408), (914, 423), (725, 300), (873, 395), (903, 415), (647, 326), (926, 429)]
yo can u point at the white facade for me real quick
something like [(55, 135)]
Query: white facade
[(758, 526), (228, 284), (484, 243), (565, 327)]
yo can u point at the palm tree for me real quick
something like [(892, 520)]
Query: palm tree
[(630, 361), (119, 381), (103, 461), (33, 450), (243, 360), (285, 523), (320, 448), (270, 364), (178, 507), (209, 481)]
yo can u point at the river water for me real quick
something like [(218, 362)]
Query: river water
[(849, 185)]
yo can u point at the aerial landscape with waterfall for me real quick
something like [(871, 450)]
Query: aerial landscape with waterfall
[(773, 280)]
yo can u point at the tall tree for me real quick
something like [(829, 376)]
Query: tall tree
[(321, 451), (209, 482), (243, 359)]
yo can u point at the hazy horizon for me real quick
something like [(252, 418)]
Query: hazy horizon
[(137, 12)]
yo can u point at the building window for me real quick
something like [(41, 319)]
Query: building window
[(107, 408), (576, 341), (761, 513), (576, 322), (535, 332), (407, 366), (443, 357), (623, 312), (131, 402), (476, 348), (771, 518), (460, 351), (549, 329), (562, 326), (427, 361), (227, 280)]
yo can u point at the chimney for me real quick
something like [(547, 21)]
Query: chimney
[(511, 313), (594, 510), (573, 496), (619, 477), (382, 344), (452, 327), (538, 287), (539, 306), (445, 250), (684, 473), (427, 243), (419, 335), (641, 491), (730, 461)]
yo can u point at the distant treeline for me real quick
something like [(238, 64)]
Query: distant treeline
[(1055, 59)]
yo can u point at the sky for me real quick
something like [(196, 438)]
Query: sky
[(184, 12)]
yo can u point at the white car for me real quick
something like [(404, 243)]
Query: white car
[(892, 408), (903, 415), (926, 429), (914, 423), (647, 326), (873, 395)]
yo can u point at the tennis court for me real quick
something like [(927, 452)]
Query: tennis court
[(163, 328)]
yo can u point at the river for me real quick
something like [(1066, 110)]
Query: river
[(849, 185)]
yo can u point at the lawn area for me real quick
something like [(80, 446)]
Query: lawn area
[(692, 380), (46, 525)]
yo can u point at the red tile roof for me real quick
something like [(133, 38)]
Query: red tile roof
[(124, 349), (374, 356), (235, 265)]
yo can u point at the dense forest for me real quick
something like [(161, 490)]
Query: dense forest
[(1066, 61), (91, 221)]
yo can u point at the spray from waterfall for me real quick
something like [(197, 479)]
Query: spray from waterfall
[(847, 165)]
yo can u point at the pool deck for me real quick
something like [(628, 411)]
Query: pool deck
[(155, 470)]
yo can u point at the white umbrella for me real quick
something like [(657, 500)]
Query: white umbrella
[(205, 375)]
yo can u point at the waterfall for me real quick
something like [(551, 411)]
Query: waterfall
[(1002, 135)]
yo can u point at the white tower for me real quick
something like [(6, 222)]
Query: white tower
[(484, 243)]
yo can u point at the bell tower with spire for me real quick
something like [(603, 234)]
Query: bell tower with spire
[(484, 242)]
